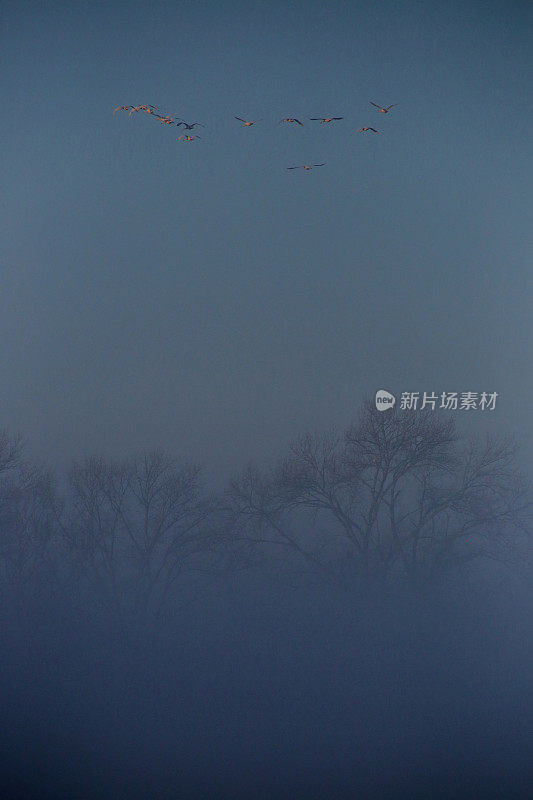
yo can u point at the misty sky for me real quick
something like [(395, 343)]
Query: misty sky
[(199, 296)]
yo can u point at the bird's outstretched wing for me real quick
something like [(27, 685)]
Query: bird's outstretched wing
[(393, 104), (319, 165), (376, 105), (240, 120)]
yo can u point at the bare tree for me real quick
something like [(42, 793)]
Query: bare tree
[(134, 528), (397, 494), (26, 519)]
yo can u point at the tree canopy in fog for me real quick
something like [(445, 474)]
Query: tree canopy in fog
[(395, 494), (133, 528), (27, 518)]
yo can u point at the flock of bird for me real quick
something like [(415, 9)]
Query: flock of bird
[(167, 119)]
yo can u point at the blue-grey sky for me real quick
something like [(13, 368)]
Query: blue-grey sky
[(199, 296)]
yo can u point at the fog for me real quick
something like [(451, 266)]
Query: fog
[(259, 689), (301, 634), (225, 570)]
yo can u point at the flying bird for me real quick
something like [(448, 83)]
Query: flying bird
[(307, 166), (362, 130), (121, 108), (382, 110), (187, 126), (184, 137), (247, 124), (146, 109), (324, 119), (290, 119), (165, 120)]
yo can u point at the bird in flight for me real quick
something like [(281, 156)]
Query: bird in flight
[(187, 126), (165, 120), (362, 130), (382, 110), (290, 119), (324, 119), (121, 108), (146, 109), (247, 124), (184, 137), (307, 166)]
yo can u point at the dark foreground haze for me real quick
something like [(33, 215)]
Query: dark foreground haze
[(354, 622), (260, 690)]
